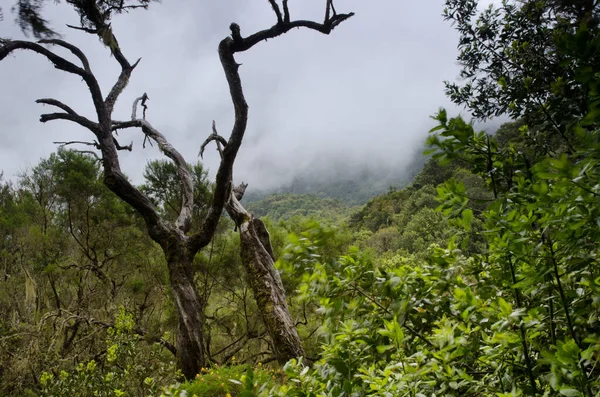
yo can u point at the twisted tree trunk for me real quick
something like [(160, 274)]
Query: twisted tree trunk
[(263, 277)]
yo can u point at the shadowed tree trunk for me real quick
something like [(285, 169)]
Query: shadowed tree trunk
[(259, 262), (179, 244), (190, 309)]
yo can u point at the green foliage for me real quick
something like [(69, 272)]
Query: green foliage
[(71, 254), (236, 380), (403, 220), (541, 230), (402, 326), (122, 372), (350, 182), (518, 316), (480, 278), (285, 206), (163, 187), (526, 59)]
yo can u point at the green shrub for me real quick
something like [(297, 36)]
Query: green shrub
[(121, 371), (231, 381)]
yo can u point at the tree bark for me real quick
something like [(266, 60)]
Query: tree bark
[(190, 311), (263, 277)]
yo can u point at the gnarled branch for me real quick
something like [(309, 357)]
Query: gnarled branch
[(276, 10), (82, 121), (61, 64), (119, 86), (184, 219), (242, 44), (227, 48), (143, 98), (58, 61), (119, 147), (94, 144), (76, 51), (213, 137), (70, 115), (87, 30), (58, 104)]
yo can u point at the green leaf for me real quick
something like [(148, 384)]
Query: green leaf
[(467, 217), (570, 392)]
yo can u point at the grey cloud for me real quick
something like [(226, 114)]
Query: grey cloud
[(364, 93)]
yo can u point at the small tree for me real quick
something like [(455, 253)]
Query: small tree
[(176, 239), (527, 59)]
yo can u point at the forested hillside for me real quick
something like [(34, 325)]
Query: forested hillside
[(285, 206), (344, 181), (479, 276)]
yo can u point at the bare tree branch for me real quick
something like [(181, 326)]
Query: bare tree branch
[(70, 115), (76, 51), (332, 7), (184, 219), (119, 86), (87, 30), (82, 121), (94, 144), (57, 61), (286, 12), (61, 64), (227, 48), (58, 104), (225, 172), (276, 10), (143, 98), (122, 125), (213, 137), (119, 147), (243, 44), (105, 31), (113, 176)]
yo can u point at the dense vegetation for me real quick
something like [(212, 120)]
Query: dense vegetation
[(285, 206), (349, 183), (479, 278)]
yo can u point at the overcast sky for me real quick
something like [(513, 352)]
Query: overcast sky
[(363, 93)]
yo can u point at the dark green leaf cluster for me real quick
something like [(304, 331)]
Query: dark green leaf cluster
[(164, 187), (518, 59), (286, 206)]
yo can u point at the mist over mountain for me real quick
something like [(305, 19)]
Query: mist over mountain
[(349, 180)]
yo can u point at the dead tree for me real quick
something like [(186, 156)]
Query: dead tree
[(179, 244)]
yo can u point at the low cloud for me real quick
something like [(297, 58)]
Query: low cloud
[(364, 94)]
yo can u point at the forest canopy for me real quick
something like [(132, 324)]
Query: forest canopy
[(480, 277)]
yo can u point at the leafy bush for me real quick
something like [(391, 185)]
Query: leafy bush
[(230, 381), (122, 371)]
